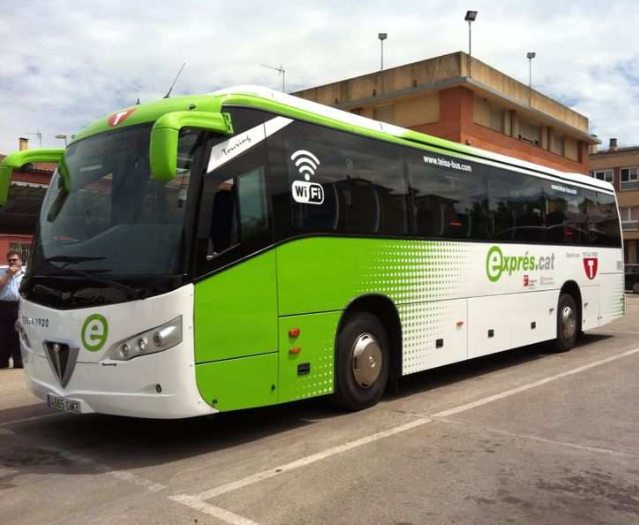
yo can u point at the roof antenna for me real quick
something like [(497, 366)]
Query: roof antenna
[(176, 79)]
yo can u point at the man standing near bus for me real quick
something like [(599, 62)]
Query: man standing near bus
[(9, 297)]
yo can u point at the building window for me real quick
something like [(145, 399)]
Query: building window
[(530, 133), (488, 114), (629, 218), (556, 144), (629, 179), (605, 175)]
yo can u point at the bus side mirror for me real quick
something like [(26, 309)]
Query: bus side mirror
[(166, 132), (21, 158)]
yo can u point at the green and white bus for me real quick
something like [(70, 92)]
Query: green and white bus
[(246, 248)]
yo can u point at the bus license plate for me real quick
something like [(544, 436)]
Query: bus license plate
[(61, 403)]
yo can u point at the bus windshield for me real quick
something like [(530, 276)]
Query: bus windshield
[(115, 220)]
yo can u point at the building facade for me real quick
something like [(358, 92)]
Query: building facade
[(475, 105), (620, 166), (18, 218)]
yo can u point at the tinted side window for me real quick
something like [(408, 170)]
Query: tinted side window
[(517, 206), (604, 222), (361, 183), (448, 202), (556, 209)]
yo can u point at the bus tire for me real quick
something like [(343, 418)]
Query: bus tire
[(362, 362), (567, 323)]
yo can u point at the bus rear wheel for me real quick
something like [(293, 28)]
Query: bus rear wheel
[(361, 363), (567, 323)]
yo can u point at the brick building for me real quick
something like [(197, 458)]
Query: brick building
[(621, 167), (19, 217), (488, 110)]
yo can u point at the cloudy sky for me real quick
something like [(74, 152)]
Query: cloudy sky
[(65, 63)]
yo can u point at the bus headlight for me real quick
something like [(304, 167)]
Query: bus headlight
[(152, 341)]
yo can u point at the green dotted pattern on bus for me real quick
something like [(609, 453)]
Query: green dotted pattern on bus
[(415, 274)]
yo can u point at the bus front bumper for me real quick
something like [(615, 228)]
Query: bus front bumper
[(158, 386)]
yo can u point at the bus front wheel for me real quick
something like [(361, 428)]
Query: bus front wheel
[(361, 362), (567, 323)]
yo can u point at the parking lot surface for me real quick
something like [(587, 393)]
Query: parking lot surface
[(526, 436)]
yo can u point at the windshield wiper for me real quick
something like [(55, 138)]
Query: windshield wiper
[(135, 293), (132, 292), (71, 259)]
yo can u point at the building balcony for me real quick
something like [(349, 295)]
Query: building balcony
[(629, 225)]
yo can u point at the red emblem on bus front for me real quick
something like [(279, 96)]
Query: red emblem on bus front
[(120, 117), (591, 264)]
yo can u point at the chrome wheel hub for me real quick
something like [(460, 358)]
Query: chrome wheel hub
[(367, 360), (568, 322)]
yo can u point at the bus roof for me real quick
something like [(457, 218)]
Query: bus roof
[(295, 107), (383, 129)]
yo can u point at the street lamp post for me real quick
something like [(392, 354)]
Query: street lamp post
[(530, 55), (62, 136), (382, 37), (471, 16)]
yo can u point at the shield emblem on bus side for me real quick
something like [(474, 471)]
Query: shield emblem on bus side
[(591, 264)]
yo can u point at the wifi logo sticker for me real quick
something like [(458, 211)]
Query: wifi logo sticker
[(305, 162), (303, 191)]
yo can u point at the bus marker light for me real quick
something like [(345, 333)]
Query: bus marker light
[(295, 350), (294, 332)]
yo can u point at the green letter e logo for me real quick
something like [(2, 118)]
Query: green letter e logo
[(95, 331), (494, 264)]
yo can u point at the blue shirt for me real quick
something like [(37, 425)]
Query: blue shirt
[(10, 291)]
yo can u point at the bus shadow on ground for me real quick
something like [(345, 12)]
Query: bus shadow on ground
[(129, 443), (481, 366)]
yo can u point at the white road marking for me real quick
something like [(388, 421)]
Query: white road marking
[(256, 478), (586, 448), (198, 501), (33, 418), (534, 384), (217, 512), (129, 477), (5, 472)]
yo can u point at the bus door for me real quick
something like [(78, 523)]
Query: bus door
[(235, 278)]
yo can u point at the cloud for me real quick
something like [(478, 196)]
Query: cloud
[(65, 64)]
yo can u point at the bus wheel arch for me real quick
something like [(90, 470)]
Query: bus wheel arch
[(569, 316), (368, 324)]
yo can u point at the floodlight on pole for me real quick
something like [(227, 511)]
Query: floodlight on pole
[(530, 55), (470, 17), (281, 71), (382, 37), (62, 136)]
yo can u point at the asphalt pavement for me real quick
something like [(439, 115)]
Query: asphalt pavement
[(527, 436)]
